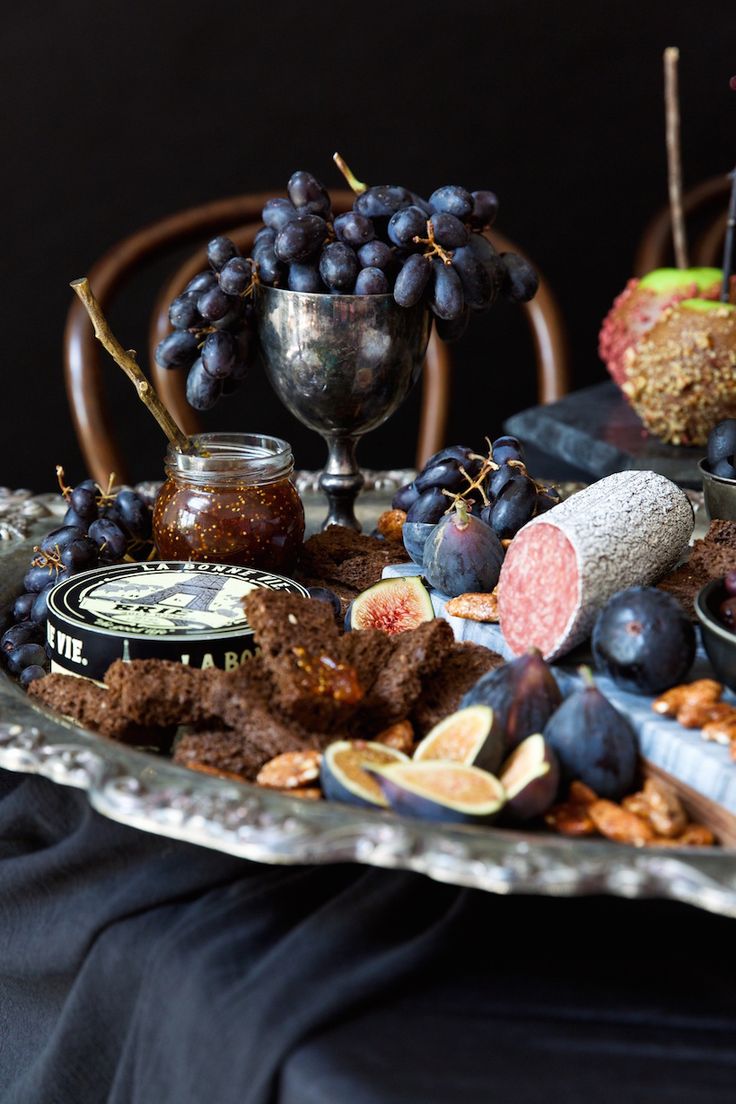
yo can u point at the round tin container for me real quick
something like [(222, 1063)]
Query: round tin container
[(189, 612)]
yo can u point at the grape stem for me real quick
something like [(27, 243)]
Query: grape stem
[(357, 185), (434, 249), (126, 360)]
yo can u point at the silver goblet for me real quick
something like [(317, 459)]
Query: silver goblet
[(342, 364)]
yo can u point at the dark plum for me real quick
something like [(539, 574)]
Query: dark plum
[(722, 443), (514, 505), (594, 743), (429, 507), (462, 554), (523, 694), (405, 497), (644, 640)]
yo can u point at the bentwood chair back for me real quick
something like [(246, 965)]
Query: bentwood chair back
[(239, 218), (705, 211)]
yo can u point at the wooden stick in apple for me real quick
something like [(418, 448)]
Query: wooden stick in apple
[(674, 160)]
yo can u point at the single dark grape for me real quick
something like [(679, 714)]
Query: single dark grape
[(486, 253), (461, 453), (83, 500), (421, 203), (722, 442), (60, 538), (507, 448), (214, 304), (40, 610), (405, 497), (277, 212), (520, 281), (178, 350), (407, 224), (22, 606), (219, 252), (183, 313), (80, 555), (354, 229), (306, 192), (305, 278), (497, 480), (547, 498), (28, 632), (478, 289), (452, 200), (203, 390), (134, 514), (382, 200), (37, 577), (514, 506), (26, 655), (203, 281), (727, 613), (446, 290), (30, 674), (72, 518), (485, 209), (724, 468), (376, 254), (270, 268), (450, 330), (338, 267), (219, 353), (109, 538), (236, 276), (444, 474), (412, 280), (300, 239), (371, 281), (324, 594), (429, 507), (729, 581), (449, 231)]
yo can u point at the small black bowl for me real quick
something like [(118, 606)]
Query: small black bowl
[(719, 494), (720, 642)]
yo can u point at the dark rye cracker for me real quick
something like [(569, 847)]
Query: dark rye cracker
[(442, 693), (87, 703), (711, 557)]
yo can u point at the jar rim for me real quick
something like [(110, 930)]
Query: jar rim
[(257, 457)]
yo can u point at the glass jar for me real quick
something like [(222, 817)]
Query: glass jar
[(230, 501)]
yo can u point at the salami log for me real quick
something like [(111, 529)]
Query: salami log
[(563, 566)]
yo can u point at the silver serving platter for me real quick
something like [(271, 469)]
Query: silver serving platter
[(155, 795)]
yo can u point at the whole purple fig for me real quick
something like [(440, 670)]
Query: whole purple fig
[(523, 695), (462, 554)]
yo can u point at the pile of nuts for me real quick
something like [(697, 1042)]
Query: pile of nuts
[(698, 705), (654, 817)]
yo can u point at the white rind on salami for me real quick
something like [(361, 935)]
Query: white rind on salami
[(562, 567)]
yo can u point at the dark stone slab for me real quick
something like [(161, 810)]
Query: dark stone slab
[(596, 430)]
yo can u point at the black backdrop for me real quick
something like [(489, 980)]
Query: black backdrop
[(117, 115)]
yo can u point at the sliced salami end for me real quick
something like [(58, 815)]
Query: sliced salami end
[(625, 530), (541, 566)]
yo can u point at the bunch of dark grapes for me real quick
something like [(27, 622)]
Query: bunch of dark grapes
[(498, 488), (98, 528), (393, 241), (212, 336)]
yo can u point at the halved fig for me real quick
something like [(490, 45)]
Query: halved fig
[(440, 790), (471, 735), (343, 775), (530, 777), (392, 605)]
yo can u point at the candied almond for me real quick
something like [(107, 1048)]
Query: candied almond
[(309, 793), (570, 819), (700, 692), (695, 835), (720, 732), (666, 814), (616, 823), (580, 794), (399, 736), (390, 524), (475, 607), (692, 715), (216, 772), (290, 770)]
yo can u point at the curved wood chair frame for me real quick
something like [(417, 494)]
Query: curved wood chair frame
[(82, 356), (655, 246)]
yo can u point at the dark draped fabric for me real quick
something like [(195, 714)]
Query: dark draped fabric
[(137, 970)]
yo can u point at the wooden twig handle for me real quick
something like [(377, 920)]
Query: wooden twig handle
[(674, 160)]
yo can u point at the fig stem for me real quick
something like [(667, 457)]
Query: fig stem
[(586, 675), (357, 185), (462, 512), (125, 359)]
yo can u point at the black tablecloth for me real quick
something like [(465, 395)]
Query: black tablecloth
[(134, 969)]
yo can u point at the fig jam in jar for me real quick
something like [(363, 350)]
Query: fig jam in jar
[(230, 501)]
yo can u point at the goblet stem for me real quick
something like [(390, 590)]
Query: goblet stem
[(341, 481)]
